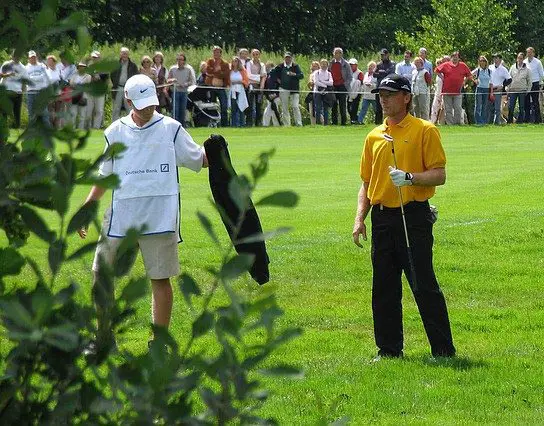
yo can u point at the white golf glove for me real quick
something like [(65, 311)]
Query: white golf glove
[(400, 177)]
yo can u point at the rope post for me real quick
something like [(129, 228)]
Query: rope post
[(174, 100)]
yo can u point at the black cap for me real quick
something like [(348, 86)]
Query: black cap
[(384, 51), (394, 83)]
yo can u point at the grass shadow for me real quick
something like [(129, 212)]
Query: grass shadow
[(455, 363)]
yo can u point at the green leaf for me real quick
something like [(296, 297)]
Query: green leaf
[(287, 335), (283, 370), (42, 303), (106, 182), (96, 88), (252, 361), (236, 266), (259, 169), (36, 224), (239, 191), (114, 149), (202, 324), (103, 66), (188, 287), (61, 198), (82, 251), (11, 262), (46, 17), (66, 294), (39, 192), (126, 253), (69, 403), (83, 216), (227, 324), (134, 290), (264, 236), (84, 39), (34, 266), (64, 337), (56, 255), (281, 199), (17, 313), (207, 225)]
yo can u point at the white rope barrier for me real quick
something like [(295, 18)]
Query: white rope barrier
[(303, 91)]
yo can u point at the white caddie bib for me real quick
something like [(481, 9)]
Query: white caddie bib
[(148, 194)]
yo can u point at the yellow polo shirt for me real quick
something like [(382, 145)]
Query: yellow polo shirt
[(417, 148)]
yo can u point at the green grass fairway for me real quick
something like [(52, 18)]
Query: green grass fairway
[(489, 246)]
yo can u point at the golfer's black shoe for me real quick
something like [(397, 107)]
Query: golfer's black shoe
[(443, 354), (387, 355)]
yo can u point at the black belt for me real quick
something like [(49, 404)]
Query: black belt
[(410, 205)]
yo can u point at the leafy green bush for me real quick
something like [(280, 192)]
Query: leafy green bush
[(50, 376)]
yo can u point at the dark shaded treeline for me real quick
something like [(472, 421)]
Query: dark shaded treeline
[(303, 26)]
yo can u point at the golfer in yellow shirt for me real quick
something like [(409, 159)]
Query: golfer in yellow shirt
[(402, 163)]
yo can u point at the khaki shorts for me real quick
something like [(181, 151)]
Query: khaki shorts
[(159, 252)]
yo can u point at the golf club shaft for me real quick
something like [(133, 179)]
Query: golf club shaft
[(408, 248)]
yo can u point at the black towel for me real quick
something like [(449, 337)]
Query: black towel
[(220, 174)]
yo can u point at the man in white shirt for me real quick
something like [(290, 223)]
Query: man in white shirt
[(500, 77), (147, 198), (406, 67), (532, 106), (12, 74), (183, 75), (256, 72), (37, 81)]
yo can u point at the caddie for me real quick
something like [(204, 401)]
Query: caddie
[(148, 194)]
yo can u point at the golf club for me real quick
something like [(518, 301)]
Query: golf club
[(388, 138)]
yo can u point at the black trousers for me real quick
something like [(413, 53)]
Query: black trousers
[(353, 108), (340, 104), (389, 260), (532, 105), (17, 102), (378, 118), (254, 114)]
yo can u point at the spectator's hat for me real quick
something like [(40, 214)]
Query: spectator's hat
[(497, 55), (394, 83), (31, 54), (141, 90), (95, 54), (81, 64), (286, 54), (384, 51), (353, 61)]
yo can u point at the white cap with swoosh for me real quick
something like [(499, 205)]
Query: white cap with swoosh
[(141, 90)]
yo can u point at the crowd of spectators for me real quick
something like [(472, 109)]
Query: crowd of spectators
[(248, 92)]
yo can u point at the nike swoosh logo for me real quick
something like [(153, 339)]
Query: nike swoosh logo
[(142, 91)]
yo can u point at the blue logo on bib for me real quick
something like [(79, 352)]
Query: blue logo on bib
[(165, 168)]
